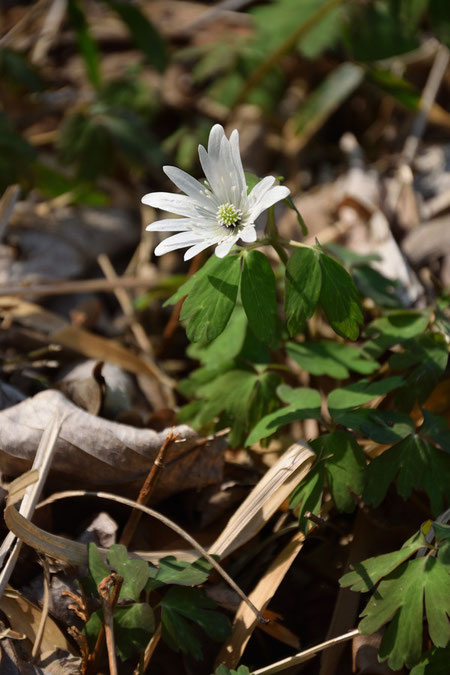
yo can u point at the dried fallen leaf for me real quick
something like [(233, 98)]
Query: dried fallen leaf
[(91, 451), (24, 617)]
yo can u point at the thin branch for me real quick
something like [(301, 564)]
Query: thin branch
[(150, 650), (126, 304), (437, 72), (305, 655), (44, 613), (147, 489), (58, 287), (108, 604)]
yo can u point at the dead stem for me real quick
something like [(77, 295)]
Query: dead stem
[(147, 489), (44, 613), (107, 629)]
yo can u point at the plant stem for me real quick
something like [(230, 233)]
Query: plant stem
[(147, 489)]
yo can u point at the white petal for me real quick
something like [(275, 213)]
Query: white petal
[(261, 188), (192, 187), (236, 156), (214, 141), (198, 248), (170, 225), (180, 240), (270, 198), (179, 204), (248, 235), (224, 247), (211, 169)]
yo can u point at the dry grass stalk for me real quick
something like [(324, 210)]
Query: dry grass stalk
[(244, 623), (30, 497), (265, 498)]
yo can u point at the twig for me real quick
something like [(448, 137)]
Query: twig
[(59, 287), (147, 489), (430, 91), (150, 650), (49, 31), (305, 655), (7, 204), (126, 304), (24, 22), (44, 613), (108, 604)]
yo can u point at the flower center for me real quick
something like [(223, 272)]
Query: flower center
[(228, 215)]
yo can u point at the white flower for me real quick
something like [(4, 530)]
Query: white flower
[(217, 214)]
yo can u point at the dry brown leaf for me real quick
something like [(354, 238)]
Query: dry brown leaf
[(24, 617), (91, 451)]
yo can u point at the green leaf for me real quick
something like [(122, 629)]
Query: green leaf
[(289, 201), (345, 468), (427, 356), (304, 403), (182, 603), (133, 627), (188, 284), (303, 281), (307, 496), (97, 567), (349, 258), (135, 572), (237, 396), (381, 426), (92, 627), (259, 297), (86, 44), (227, 345), (223, 670), (378, 31), (330, 358), (433, 662), (435, 427), (360, 392), (399, 325), (399, 599), (372, 284), (326, 99), (211, 301), (418, 464), (367, 574), (173, 571), (339, 298), (143, 33)]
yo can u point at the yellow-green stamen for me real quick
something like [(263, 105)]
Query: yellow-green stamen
[(228, 215)]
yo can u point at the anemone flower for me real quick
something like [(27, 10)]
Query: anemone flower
[(216, 213)]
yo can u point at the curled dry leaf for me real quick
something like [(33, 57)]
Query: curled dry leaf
[(94, 452)]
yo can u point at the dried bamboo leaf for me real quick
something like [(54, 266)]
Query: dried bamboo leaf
[(245, 622), (265, 498)]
